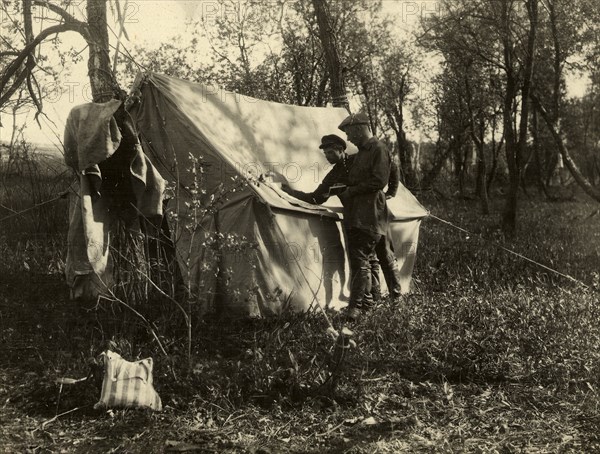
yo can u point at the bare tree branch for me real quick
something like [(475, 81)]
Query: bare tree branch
[(34, 97), (9, 53), (57, 10), (27, 21), (26, 54)]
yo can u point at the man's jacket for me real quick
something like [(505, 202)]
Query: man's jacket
[(364, 200)]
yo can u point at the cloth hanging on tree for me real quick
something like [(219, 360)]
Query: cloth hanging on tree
[(99, 138)]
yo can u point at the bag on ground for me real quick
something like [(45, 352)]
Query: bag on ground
[(127, 384)]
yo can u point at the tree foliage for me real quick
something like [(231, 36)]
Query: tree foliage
[(513, 51), (496, 56)]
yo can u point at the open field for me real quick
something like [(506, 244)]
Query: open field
[(490, 354)]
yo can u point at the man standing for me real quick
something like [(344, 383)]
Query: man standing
[(334, 148), (366, 212)]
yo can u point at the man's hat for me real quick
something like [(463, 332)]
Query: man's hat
[(331, 140), (354, 119)]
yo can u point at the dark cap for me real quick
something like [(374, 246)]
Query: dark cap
[(331, 140), (354, 119)]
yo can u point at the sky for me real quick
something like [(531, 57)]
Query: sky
[(151, 22)]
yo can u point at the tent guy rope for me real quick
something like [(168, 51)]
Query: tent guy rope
[(510, 251), (18, 213)]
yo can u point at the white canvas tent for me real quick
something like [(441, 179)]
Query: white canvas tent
[(246, 148)]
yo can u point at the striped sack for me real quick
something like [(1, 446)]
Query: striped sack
[(127, 384)]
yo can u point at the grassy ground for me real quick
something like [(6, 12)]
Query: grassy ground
[(490, 354)]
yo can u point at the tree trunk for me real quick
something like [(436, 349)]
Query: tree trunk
[(368, 102), (462, 168), (557, 63), (478, 138), (494, 167), (539, 162), (435, 170), (406, 156), (482, 174), (332, 56), (321, 101), (509, 218), (495, 151), (514, 146), (539, 165), (417, 163), (589, 189), (99, 71), (27, 21)]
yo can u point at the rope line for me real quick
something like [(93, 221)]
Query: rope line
[(126, 53), (18, 213), (517, 254), (443, 221)]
